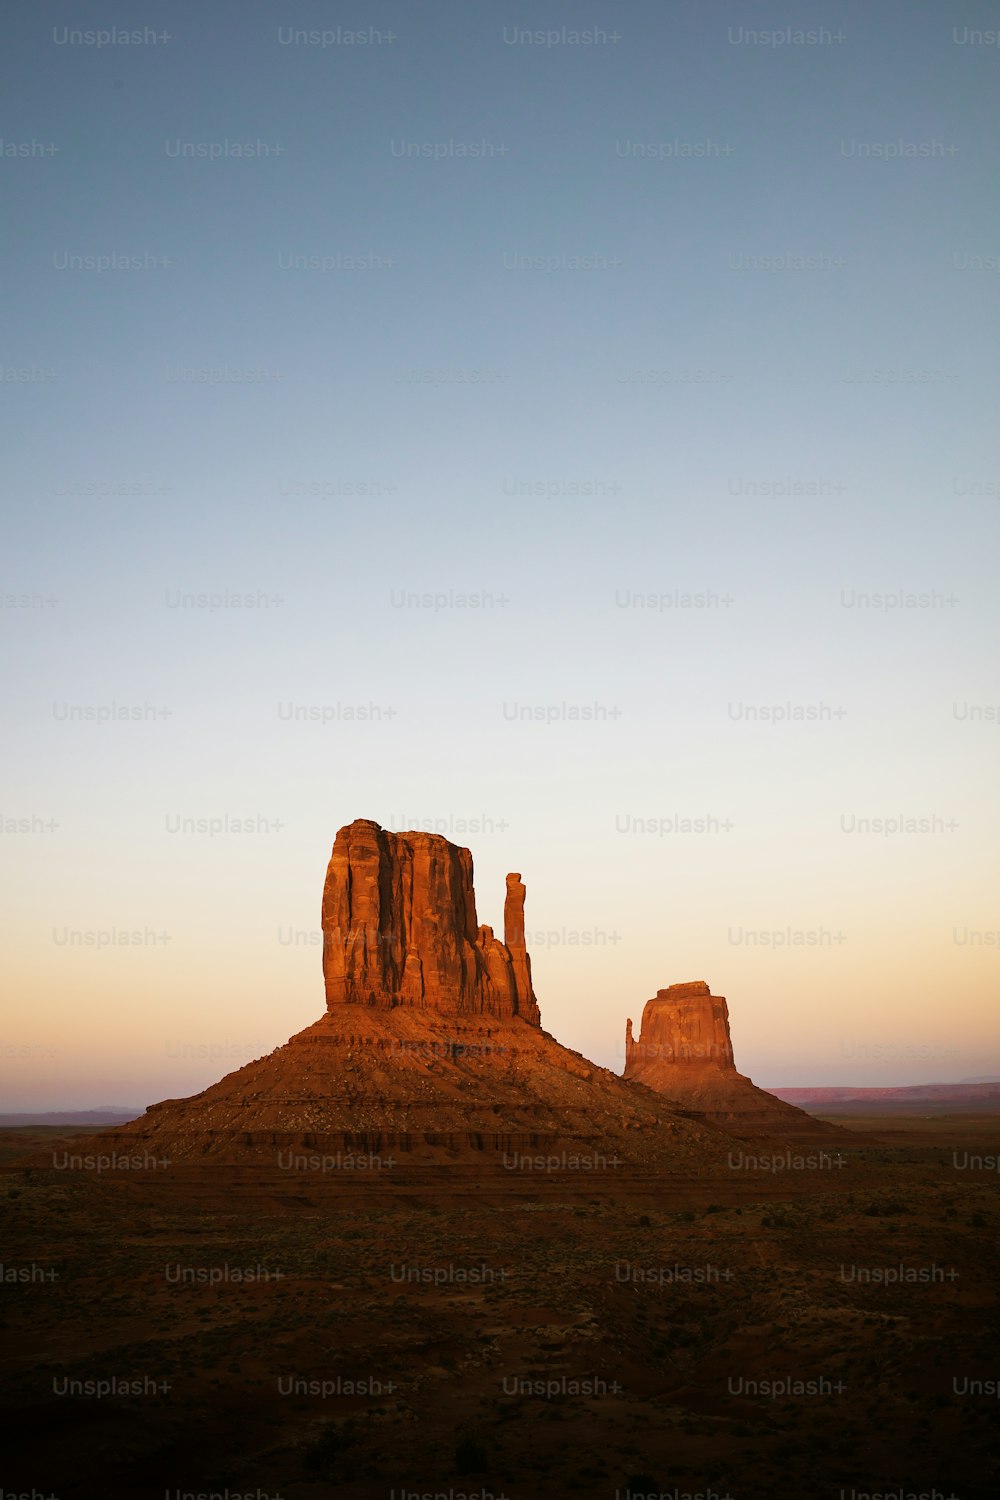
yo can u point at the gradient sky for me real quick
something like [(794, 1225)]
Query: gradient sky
[(706, 315)]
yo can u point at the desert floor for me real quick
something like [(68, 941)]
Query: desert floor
[(465, 1328)]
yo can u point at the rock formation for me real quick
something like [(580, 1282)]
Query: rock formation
[(685, 1051), (400, 928), (686, 1025), (431, 1046)]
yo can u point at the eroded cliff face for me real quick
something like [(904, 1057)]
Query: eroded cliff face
[(400, 928), (684, 1026)]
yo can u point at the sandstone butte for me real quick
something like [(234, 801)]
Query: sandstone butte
[(431, 1045), (400, 928), (685, 1052)]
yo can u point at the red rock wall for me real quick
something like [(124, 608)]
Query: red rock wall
[(684, 1027), (400, 928)]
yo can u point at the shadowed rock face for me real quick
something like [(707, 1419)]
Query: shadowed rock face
[(400, 928), (685, 1051)]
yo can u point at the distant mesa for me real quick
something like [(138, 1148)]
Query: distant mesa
[(103, 1114), (971, 1096), (685, 1051)]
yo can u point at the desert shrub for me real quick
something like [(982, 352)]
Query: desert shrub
[(471, 1456), (323, 1453)]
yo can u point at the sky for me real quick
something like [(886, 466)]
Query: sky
[(567, 428)]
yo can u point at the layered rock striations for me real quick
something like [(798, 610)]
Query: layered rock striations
[(685, 1051), (400, 928), (427, 1086)]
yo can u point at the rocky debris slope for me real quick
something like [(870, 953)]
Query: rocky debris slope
[(367, 1079)]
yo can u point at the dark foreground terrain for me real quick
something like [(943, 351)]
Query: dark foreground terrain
[(823, 1326)]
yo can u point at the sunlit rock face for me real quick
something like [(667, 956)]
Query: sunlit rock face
[(400, 928), (685, 1027)]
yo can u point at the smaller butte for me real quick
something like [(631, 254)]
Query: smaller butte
[(685, 1051)]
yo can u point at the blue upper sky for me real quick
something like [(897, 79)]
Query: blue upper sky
[(330, 306)]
